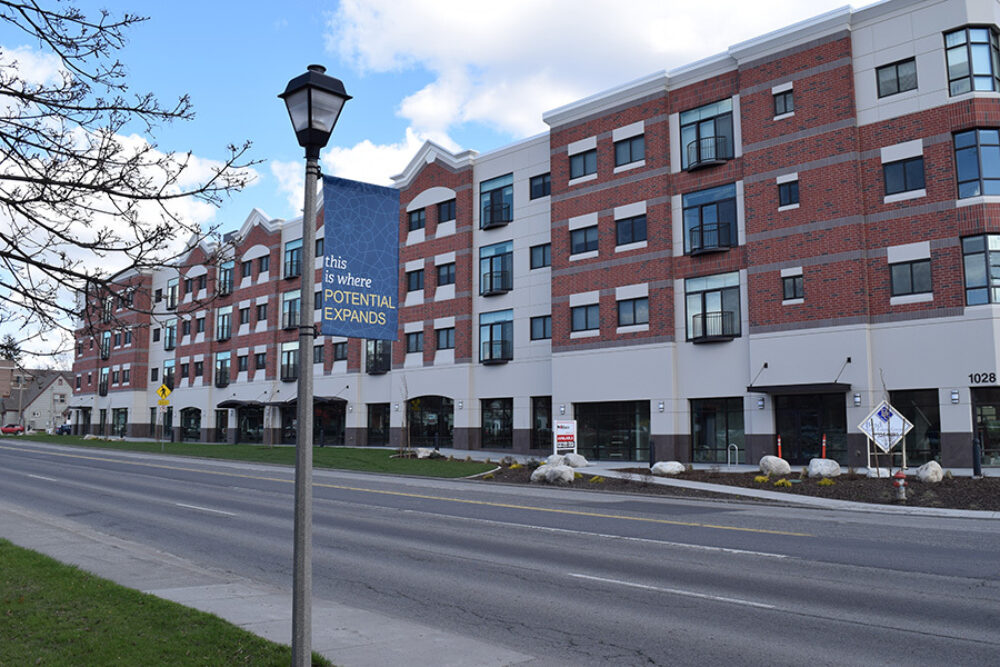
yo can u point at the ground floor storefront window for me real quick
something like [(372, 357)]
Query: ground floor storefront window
[(803, 419), (497, 423), (191, 424), (986, 422), (717, 425), (613, 431), (541, 422), (250, 423), (431, 421), (119, 421), (921, 408), (221, 425), (378, 424)]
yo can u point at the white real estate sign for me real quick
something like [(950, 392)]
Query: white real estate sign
[(885, 426), (564, 436)]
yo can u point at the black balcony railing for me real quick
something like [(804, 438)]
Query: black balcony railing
[(719, 325), (497, 352), (169, 342), (496, 282), (226, 287), (172, 300), (289, 372), (711, 237), (293, 268), (168, 380), (707, 151), (378, 363), (495, 214), (290, 319), (222, 377), (102, 389), (106, 351), (223, 333)]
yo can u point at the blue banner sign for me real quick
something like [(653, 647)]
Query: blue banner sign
[(361, 259)]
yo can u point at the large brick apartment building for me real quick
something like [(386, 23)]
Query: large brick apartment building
[(763, 243)]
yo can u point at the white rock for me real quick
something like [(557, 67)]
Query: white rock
[(538, 474), (90, 436), (772, 465), (874, 473), (575, 461), (667, 468), (930, 472), (823, 468), (424, 452), (558, 474), (555, 460)]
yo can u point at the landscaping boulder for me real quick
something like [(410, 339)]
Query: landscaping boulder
[(667, 468), (554, 459), (930, 472), (90, 436), (774, 466), (575, 461), (553, 474), (823, 468), (538, 474)]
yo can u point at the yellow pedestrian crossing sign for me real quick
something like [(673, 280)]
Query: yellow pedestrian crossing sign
[(163, 391)]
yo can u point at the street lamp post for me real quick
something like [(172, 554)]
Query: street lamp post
[(314, 102)]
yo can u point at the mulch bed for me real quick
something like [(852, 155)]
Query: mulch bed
[(956, 493)]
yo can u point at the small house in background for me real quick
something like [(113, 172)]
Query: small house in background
[(37, 399)]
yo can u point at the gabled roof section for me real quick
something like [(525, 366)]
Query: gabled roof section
[(258, 217), (429, 153), (196, 241)]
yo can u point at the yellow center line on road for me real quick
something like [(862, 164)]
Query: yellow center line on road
[(421, 496)]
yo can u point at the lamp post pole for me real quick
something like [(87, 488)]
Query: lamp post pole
[(314, 102)]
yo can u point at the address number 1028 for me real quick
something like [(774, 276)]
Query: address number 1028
[(982, 378)]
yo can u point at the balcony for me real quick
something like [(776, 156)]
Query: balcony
[(290, 319), (171, 301), (293, 268), (496, 282), (714, 327), (497, 352), (224, 333), (495, 214), (226, 287), (170, 343), (378, 363), (102, 388), (222, 377), (105, 351), (168, 380), (711, 237), (708, 151), (289, 372)]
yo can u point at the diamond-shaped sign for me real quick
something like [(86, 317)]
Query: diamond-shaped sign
[(163, 391), (885, 426)]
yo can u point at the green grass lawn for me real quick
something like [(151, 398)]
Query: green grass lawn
[(55, 614), (342, 458)]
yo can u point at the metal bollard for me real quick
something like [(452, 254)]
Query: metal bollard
[(977, 458)]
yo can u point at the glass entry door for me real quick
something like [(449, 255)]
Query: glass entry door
[(986, 422), (803, 419)]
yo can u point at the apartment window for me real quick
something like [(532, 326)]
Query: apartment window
[(245, 315), (114, 377), (260, 361), (633, 311), (788, 193), (200, 325), (246, 269), (199, 369), (903, 175), (225, 278), (540, 186), (378, 356), (172, 286), (185, 368), (222, 369), (158, 296), (496, 268), (707, 134), (713, 307), (126, 375), (128, 337), (293, 258), (340, 351), (981, 259), (223, 323), (583, 240), (630, 230), (630, 150), (415, 342), (154, 374), (541, 327), (446, 274), (290, 361), (109, 302), (496, 336), (290, 305), (202, 281), (445, 338), (170, 336), (541, 255), (168, 373), (320, 247), (78, 381), (414, 280), (784, 102), (583, 164), (710, 219), (118, 339), (496, 201), (977, 162), (186, 328), (792, 288), (911, 277), (318, 300), (261, 312), (896, 77), (263, 263), (242, 363), (972, 57), (585, 318), (446, 211), (317, 354), (156, 335), (418, 220), (188, 285)]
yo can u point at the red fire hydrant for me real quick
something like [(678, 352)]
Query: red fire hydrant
[(899, 481)]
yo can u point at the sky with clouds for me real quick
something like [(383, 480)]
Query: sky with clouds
[(463, 73)]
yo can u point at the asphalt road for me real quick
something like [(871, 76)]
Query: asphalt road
[(567, 576)]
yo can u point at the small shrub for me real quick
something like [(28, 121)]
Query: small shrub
[(761, 479), (826, 481), (489, 460), (804, 473), (468, 459), (577, 475), (515, 466), (948, 475), (451, 457), (783, 483), (488, 475), (597, 479)]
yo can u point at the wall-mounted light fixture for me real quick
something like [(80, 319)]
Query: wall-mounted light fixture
[(350, 408), (460, 404), (396, 406), (760, 402), (954, 396), (857, 400), (562, 409), (659, 406)]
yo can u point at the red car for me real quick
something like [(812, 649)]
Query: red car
[(11, 429)]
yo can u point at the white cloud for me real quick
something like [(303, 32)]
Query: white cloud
[(291, 181)]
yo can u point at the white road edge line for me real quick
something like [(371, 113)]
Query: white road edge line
[(47, 479), (204, 509), (675, 591)]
